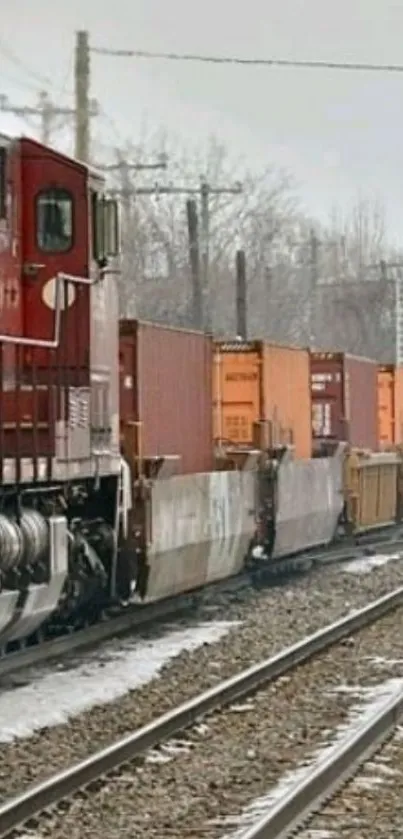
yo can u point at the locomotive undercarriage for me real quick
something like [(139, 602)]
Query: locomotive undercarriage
[(58, 557)]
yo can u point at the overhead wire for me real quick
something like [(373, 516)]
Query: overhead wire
[(252, 62), (57, 92), (11, 56)]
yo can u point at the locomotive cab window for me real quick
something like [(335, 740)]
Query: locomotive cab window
[(54, 220)]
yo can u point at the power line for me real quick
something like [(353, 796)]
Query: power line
[(123, 165), (18, 62), (252, 62)]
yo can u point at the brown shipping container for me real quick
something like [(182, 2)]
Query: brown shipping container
[(259, 382), (344, 399), (166, 384), (390, 405)]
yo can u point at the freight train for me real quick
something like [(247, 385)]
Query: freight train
[(139, 462)]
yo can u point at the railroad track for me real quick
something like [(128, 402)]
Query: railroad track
[(324, 779), (139, 617), (110, 774), (370, 803)]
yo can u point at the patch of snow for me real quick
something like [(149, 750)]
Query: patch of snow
[(376, 775), (29, 836), (358, 715), (317, 834), (368, 563), (368, 782), (169, 750), (382, 662), (54, 697)]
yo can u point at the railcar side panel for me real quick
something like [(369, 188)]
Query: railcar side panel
[(309, 503), (201, 528)]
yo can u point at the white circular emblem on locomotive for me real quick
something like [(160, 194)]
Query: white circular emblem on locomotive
[(67, 295)]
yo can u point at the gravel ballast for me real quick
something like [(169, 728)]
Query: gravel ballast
[(371, 805), (198, 786), (272, 619)]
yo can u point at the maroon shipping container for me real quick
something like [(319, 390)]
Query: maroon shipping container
[(166, 385), (344, 399)]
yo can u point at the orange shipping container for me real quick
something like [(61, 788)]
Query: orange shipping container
[(255, 381), (390, 405)]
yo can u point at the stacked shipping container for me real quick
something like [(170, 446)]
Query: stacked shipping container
[(344, 400), (259, 382), (390, 405), (165, 387), (185, 392)]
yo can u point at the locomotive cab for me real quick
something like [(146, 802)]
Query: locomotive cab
[(60, 465), (59, 238)]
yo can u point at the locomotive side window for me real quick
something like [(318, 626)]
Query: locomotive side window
[(94, 226), (105, 228), (54, 220)]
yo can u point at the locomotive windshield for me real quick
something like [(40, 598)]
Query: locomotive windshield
[(54, 220)]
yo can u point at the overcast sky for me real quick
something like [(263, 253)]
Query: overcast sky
[(337, 132)]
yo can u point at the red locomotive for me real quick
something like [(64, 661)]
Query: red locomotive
[(60, 465)]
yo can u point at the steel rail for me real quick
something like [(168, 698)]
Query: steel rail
[(16, 811), (142, 616), (328, 773)]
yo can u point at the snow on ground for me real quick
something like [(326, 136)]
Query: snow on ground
[(367, 563), (372, 700), (55, 696)]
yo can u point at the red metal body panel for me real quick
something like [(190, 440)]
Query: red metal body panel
[(166, 384), (10, 249), (11, 321), (344, 399), (41, 168)]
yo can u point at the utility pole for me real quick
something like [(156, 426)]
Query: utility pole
[(123, 167), (204, 191), (85, 108), (314, 277), (241, 317), (45, 109), (194, 259)]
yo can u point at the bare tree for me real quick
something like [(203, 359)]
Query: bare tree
[(264, 219), (352, 299), (355, 299)]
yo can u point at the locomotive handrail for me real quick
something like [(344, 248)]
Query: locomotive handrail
[(53, 343)]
